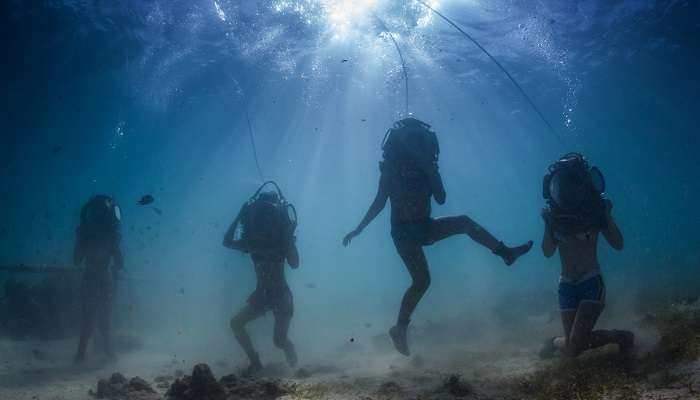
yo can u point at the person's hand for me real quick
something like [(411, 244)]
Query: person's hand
[(546, 214), (348, 238)]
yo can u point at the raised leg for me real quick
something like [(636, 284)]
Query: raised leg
[(445, 227)]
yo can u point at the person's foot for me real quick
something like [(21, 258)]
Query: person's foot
[(510, 254), (398, 337), (254, 367), (548, 349), (626, 342), (291, 355)]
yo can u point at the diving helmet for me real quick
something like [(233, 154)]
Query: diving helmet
[(572, 182)]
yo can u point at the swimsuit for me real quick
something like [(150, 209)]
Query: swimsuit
[(272, 292), (589, 288), (417, 233), (278, 300)]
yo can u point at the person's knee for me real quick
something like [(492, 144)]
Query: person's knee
[(237, 323), (421, 282), (469, 226), (465, 222)]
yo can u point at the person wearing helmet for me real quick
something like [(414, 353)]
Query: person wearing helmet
[(265, 228), (97, 246), (410, 179), (576, 213)]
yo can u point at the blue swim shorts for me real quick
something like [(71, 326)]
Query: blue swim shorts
[(571, 294)]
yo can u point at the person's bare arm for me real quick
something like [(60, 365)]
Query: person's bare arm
[(436, 185), (549, 244), (293, 255), (611, 231), (374, 209), (229, 238)]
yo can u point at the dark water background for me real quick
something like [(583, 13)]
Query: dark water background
[(148, 97)]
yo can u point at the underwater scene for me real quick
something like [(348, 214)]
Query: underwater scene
[(349, 199)]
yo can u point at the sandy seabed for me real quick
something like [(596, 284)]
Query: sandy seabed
[(665, 366)]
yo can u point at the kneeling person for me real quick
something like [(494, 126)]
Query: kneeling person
[(267, 223), (575, 215)]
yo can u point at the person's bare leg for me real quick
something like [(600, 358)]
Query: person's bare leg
[(238, 324), (414, 259), (445, 227), (281, 338), (583, 337), (87, 326), (559, 342), (104, 320), (580, 336)]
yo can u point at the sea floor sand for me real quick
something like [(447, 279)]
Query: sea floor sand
[(44, 370)]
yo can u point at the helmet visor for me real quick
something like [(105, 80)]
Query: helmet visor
[(568, 188)]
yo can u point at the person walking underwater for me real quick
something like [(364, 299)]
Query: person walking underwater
[(97, 245), (267, 223), (409, 179), (576, 213)]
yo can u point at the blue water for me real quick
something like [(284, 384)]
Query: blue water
[(149, 97)]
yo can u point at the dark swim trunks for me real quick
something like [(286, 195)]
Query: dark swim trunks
[(277, 300), (418, 233), (571, 294)]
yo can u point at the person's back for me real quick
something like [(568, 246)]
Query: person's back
[(410, 170), (410, 201), (267, 233), (269, 273)]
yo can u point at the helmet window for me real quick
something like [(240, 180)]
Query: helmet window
[(292, 214), (568, 188)]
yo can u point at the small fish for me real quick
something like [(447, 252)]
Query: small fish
[(364, 120), (352, 340), (157, 211), (182, 290), (147, 199), (311, 285), (368, 325), (345, 60)]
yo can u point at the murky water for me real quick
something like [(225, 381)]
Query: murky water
[(161, 98)]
